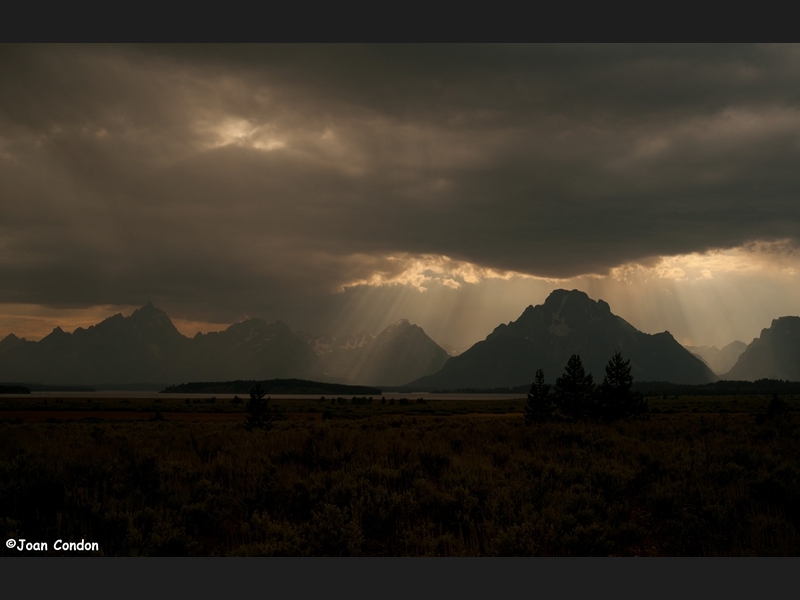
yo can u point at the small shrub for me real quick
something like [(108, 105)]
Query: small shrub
[(258, 407)]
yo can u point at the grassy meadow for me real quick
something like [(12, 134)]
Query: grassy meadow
[(697, 476)]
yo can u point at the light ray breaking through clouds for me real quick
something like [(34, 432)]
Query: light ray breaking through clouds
[(337, 187)]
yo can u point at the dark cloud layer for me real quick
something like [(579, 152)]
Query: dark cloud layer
[(259, 180)]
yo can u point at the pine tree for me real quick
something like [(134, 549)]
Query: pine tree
[(615, 398), (539, 407), (575, 390)]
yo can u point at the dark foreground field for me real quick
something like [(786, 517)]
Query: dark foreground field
[(414, 479)]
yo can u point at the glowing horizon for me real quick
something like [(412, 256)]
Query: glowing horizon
[(688, 295)]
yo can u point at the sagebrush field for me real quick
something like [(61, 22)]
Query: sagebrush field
[(375, 480)]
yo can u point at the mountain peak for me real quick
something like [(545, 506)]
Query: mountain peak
[(560, 295), (562, 303), (150, 322), (147, 310), (545, 336), (56, 335), (10, 341), (784, 323), (402, 327), (564, 311), (149, 313)]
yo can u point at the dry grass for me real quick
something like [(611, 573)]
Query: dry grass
[(683, 484)]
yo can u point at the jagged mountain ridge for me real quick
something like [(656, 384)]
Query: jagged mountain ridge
[(775, 354), (545, 336), (146, 347), (253, 346), (398, 354)]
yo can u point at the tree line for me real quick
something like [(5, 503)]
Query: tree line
[(576, 397)]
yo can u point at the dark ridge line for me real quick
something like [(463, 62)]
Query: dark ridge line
[(43, 387), (270, 386), (717, 388), (14, 389)]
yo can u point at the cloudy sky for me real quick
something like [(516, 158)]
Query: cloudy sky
[(340, 188)]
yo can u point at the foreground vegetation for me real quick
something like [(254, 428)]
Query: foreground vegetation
[(386, 482)]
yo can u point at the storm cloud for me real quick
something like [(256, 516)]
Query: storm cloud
[(223, 181)]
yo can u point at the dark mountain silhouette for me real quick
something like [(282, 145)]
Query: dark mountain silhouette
[(146, 347), (252, 346), (773, 355), (11, 341), (545, 336), (719, 360), (398, 354)]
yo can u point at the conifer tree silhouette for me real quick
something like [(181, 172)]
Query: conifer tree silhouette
[(539, 407), (615, 398), (575, 390)]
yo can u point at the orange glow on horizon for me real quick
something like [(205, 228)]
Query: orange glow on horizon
[(711, 298), (33, 321)]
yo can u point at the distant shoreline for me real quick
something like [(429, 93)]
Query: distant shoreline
[(270, 386)]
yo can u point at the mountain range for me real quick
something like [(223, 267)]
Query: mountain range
[(545, 336), (146, 347)]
